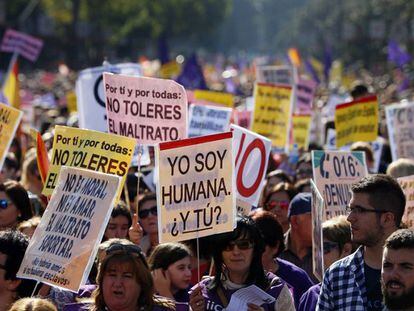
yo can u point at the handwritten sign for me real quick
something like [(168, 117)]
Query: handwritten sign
[(275, 75), (205, 120), (64, 245), (301, 124), (195, 193), (9, 121), (305, 92), (225, 99)]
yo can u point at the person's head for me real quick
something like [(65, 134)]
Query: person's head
[(119, 222), (336, 240), (273, 178), (358, 90), (278, 199), (13, 245), (33, 304), (375, 209), (29, 226), (14, 204), (10, 168), (300, 218), (147, 213), (175, 260), (304, 167), (124, 280), (238, 254), (31, 179), (369, 154), (397, 277), (401, 167), (271, 231)]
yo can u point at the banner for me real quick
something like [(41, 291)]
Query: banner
[(27, 46), (205, 120), (90, 98), (356, 121), (64, 245), (407, 185), (96, 151), (317, 233), (9, 121), (275, 75), (305, 92), (251, 154), (226, 99), (147, 109), (334, 172), (400, 123), (195, 192), (273, 106), (301, 124)]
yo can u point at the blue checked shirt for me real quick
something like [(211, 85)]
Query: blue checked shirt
[(343, 286)]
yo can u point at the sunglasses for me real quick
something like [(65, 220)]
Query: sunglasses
[(241, 244), (329, 246), (130, 249), (146, 212), (280, 204), (4, 203)]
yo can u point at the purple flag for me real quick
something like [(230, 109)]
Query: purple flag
[(397, 55), (192, 76)]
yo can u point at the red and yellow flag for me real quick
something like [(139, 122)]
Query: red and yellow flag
[(11, 86)]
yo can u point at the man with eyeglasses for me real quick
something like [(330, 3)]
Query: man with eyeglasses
[(13, 245), (375, 211)]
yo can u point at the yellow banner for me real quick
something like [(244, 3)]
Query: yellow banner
[(225, 99), (9, 120), (356, 121), (170, 69), (71, 101), (92, 150), (272, 110), (300, 130)]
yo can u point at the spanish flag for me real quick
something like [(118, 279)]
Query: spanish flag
[(11, 86)]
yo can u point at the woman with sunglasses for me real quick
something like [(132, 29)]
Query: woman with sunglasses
[(238, 264), (277, 202), (147, 215), (125, 282), (14, 205), (170, 264)]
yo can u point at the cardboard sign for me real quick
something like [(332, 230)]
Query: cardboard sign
[(251, 153), (407, 185), (206, 120), (305, 92), (90, 97), (301, 124), (64, 245), (9, 121), (195, 192), (334, 172), (273, 108), (27, 46), (225, 99), (275, 75), (96, 151), (147, 109), (357, 121), (317, 234), (400, 123)]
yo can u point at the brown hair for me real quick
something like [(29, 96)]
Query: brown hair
[(33, 304), (19, 196), (282, 186)]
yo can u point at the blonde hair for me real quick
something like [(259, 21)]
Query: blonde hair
[(33, 304)]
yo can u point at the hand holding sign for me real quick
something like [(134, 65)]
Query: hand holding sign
[(135, 232)]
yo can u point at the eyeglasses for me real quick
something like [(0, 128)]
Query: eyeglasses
[(146, 212), (4, 203), (329, 246), (280, 204), (241, 244), (361, 210)]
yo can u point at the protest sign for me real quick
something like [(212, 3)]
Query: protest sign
[(301, 124), (90, 98), (273, 106), (90, 150), (23, 44), (251, 153), (147, 109), (170, 70), (357, 121), (400, 123), (333, 173), (195, 192), (225, 99), (145, 156), (407, 185), (9, 121), (275, 75), (317, 233), (305, 91), (64, 245), (205, 120)]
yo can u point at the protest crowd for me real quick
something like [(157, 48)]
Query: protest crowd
[(255, 184)]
